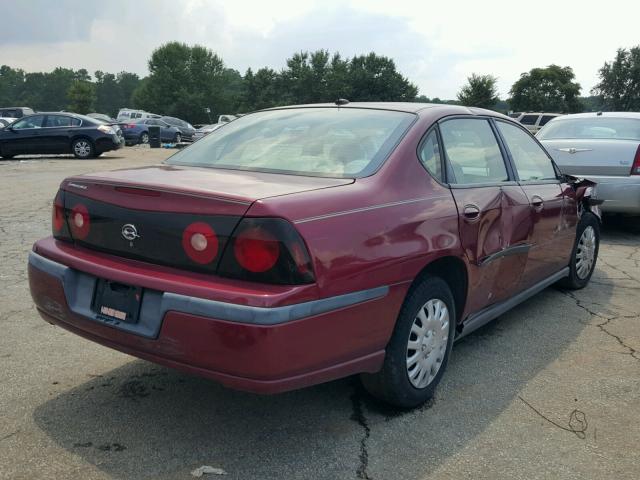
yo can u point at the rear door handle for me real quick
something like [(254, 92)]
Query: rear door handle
[(537, 203), (471, 212)]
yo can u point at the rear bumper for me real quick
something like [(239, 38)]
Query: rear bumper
[(263, 350), (621, 194)]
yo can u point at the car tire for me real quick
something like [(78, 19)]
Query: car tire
[(178, 138), (144, 138), (82, 148), (584, 254), (401, 380)]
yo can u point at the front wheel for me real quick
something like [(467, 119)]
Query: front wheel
[(178, 138), (82, 148), (584, 254), (419, 349)]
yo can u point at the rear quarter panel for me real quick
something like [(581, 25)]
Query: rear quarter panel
[(380, 230)]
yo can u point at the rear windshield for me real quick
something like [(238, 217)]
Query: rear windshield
[(328, 142), (589, 128)]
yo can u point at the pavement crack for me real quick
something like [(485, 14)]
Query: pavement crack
[(9, 435), (632, 352), (359, 417)]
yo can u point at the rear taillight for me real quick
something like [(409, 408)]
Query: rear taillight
[(200, 243), (80, 222), (267, 250), (256, 250), (59, 226), (57, 215), (635, 168)]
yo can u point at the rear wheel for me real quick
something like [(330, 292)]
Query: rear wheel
[(178, 138), (584, 254), (419, 349), (144, 138), (82, 148)]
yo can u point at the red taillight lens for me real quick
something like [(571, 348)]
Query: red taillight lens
[(59, 226), (635, 168), (256, 250), (80, 222), (200, 243), (57, 215), (130, 125), (267, 250)]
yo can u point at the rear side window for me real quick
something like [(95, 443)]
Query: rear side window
[(429, 154), (529, 119), (530, 160), (472, 152), (545, 119)]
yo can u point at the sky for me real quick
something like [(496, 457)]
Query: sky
[(437, 45)]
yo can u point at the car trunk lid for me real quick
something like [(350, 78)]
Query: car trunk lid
[(143, 213), (583, 157)]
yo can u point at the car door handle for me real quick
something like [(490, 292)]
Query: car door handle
[(537, 203), (471, 212)]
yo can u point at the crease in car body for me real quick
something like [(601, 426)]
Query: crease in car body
[(351, 239)]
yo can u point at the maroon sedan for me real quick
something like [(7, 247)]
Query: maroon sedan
[(303, 244)]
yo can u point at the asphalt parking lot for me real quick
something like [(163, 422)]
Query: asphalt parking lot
[(549, 390)]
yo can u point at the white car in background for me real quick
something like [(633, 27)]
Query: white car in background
[(4, 121), (603, 147), (128, 114), (534, 121), (206, 130)]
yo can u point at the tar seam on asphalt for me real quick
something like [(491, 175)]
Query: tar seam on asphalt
[(577, 421), (358, 416)]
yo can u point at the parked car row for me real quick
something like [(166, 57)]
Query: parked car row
[(57, 132)]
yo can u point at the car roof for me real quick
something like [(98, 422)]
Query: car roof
[(602, 115), (409, 107)]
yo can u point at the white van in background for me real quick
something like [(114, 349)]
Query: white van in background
[(125, 114)]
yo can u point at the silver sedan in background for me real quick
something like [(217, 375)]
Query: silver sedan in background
[(603, 147), (205, 130)]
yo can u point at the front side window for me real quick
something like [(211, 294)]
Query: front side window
[(429, 154), (329, 142), (472, 152), (530, 160), (29, 122)]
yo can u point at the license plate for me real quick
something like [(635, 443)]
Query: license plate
[(116, 301)]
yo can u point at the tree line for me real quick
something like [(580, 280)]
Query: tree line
[(193, 82)]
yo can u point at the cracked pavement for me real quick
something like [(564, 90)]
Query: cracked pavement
[(549, 390)]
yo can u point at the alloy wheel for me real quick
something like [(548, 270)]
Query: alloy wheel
[(144, 138), (427, 343), (586, 252), (82, 148)]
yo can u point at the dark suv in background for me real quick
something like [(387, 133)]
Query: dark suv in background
[(56, 132)]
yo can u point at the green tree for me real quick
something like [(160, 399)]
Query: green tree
[(551, 89), (82, 96), (183, 81), (619, 84), (375, 78), (480, 91)]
